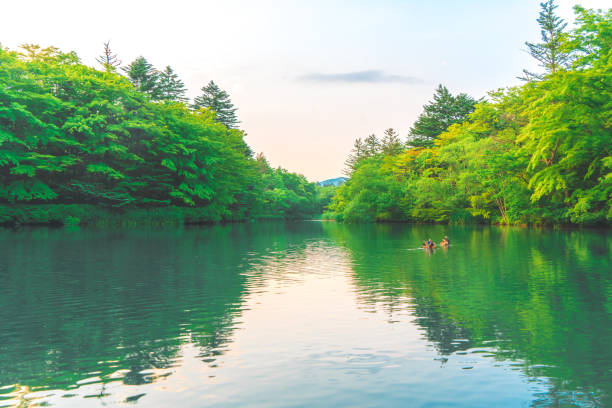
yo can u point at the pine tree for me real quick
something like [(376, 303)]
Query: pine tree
[(438, 115), (170, 87), (108, 60), (391, 143), (262, 163), (357, 153), (143, 76), (218, 101), (372, 146), (549, 52)]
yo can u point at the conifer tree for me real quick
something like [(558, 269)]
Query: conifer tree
[(262, 163), (438, 115), (372, 146), (108, 59), (549, 52), (143, 76), (391, 143), (170, 87), (218, 101), (357, 153)]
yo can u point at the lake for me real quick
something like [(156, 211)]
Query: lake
[(305, 314)]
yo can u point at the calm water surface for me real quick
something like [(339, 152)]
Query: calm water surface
[(305, 314)]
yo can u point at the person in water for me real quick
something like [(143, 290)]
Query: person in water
[(445, 242)]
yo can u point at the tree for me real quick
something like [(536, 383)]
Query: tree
[(143, 76), (371, 146), (355, 156), (34, 52), (262, 163), (80, 138), (549, 53), (170, 87), (445, 110), (108, 60), (391, 144), (217, 100), (591, 42)]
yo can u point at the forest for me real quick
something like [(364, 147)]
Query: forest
[(84, 145), (536, 154)]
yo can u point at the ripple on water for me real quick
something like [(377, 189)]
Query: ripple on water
[(305, 315)]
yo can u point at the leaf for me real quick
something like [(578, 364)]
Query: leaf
[(106, 170)]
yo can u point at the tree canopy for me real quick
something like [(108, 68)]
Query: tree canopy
[(74, 135), (536, 154)]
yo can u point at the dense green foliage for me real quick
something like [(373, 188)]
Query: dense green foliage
[(536, 154), (290, 195), (73, 135)]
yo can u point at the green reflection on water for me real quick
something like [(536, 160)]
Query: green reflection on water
[(85, 303), (541, 297), (117, 305)]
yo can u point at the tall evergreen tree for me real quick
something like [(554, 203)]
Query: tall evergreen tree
[(371, 146), (549, 52), (356, 154), (391, 143), (218, 101), (262, 163), (108, 59), (143, 76), (170, 87), (438, 115)]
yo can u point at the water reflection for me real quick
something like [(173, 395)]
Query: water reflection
[(92, 306), (539, 297), (297, 314)]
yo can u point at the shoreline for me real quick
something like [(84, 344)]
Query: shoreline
[(66, 215)]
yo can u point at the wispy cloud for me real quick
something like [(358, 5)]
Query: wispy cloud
[(369, 76)]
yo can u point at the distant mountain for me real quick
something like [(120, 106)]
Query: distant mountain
[(332, 182)]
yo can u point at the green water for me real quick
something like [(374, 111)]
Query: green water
[(305, 314)]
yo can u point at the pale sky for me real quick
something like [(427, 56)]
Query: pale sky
[(308, 77)]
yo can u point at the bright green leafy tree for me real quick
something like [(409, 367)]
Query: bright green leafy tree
[(71, 135), (535, 154)]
